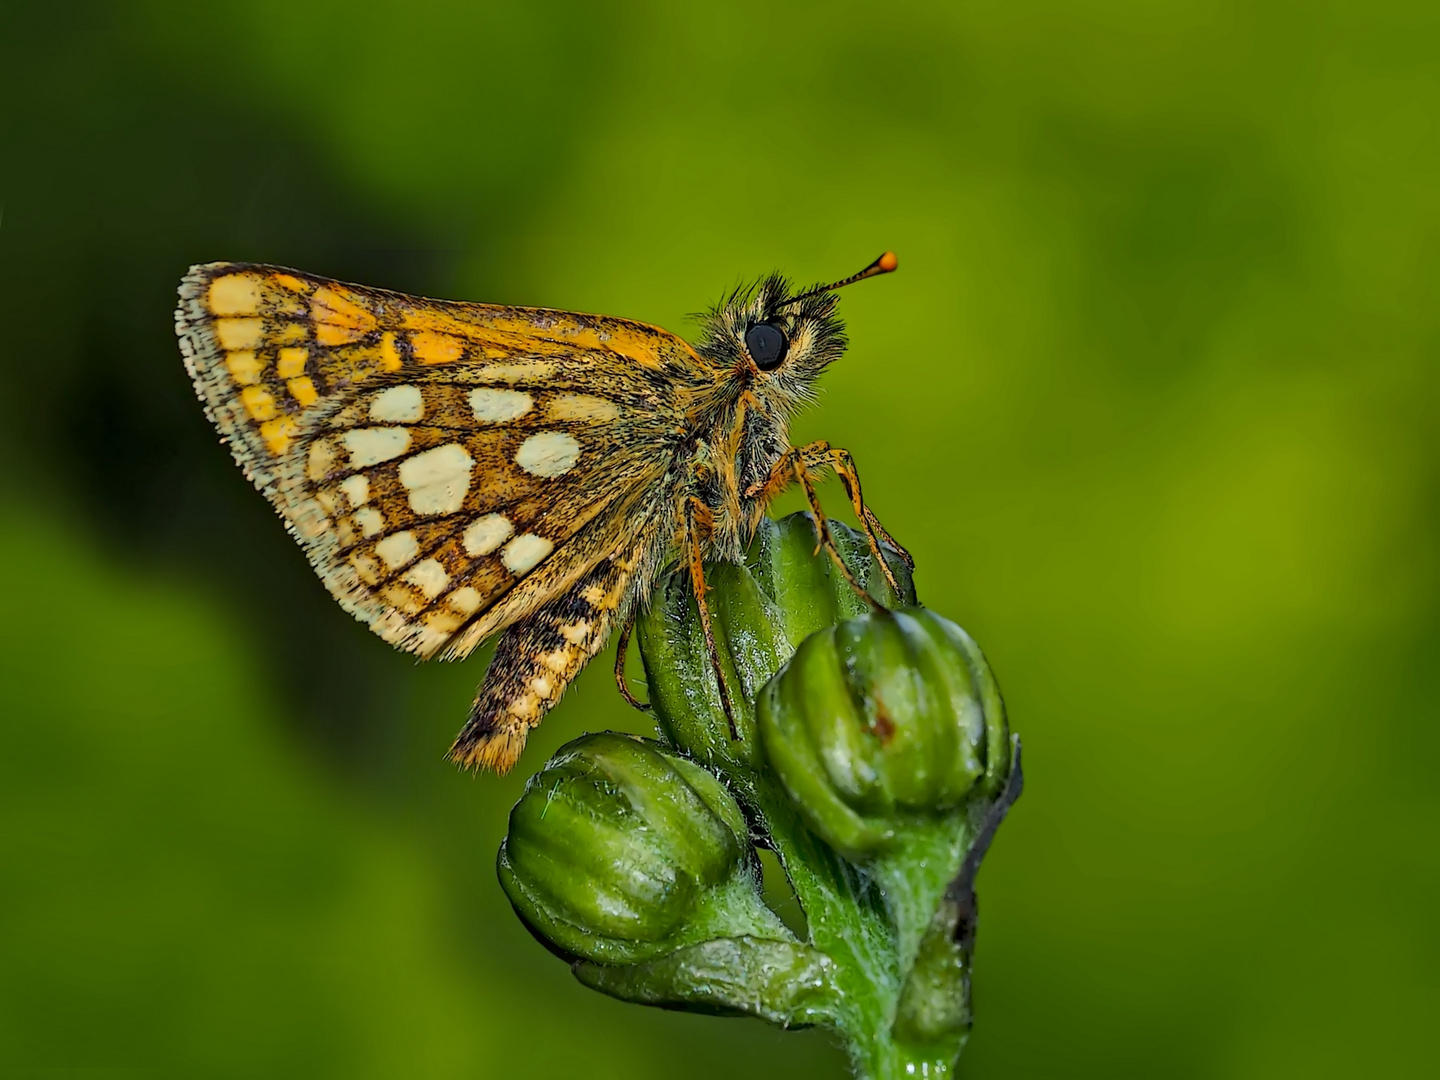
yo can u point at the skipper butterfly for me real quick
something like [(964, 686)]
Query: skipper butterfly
[(452, 470)]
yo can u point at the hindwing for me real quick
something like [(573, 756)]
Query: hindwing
[(446, 467)]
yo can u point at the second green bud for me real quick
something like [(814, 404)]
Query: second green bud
[(616, 847), (615, 843), (880, 718)]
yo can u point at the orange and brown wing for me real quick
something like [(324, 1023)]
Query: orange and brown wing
[(447, 467)]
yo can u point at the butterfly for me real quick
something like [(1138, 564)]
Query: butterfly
[(454, 470)]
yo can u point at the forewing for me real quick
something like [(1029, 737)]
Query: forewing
[(446, 467)]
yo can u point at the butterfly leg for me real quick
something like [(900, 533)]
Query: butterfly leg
[(698, 520), (824, 538), (844, 465), (535, 660), (800, 463), (620, 650)]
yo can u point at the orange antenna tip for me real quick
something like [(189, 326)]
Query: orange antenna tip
[(883, 265)]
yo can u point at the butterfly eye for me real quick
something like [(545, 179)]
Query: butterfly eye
[(766, 344)]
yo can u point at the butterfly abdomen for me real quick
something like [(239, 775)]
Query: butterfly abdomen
[(538, 657)]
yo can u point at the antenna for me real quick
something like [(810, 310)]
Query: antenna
[(883, 265)]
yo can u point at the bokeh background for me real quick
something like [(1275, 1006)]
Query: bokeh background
[(1155, 401)]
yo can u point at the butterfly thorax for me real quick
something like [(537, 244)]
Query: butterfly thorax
[(724, 470), (744, 431)]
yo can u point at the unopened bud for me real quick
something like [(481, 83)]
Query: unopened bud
[(888, 715)]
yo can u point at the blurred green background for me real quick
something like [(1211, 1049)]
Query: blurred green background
[(1154, 400)]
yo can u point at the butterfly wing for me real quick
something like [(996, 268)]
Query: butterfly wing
[(446, 467)]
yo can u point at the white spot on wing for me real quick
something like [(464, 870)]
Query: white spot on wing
[(370, 520), (497, 406), (575, 633), (356, 489), (428, 639), (429, 577), (437, 479), (398, 405), (372, 445), (397, 549), (582, 407), (465, 600), (320, 460), (444, 620), (309, 519), (513, 373), (366, 568), (522, 553), (548, 453), (485, 534)]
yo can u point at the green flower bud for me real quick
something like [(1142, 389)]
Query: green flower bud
[(760, 612), (616, 850), (881, 719)]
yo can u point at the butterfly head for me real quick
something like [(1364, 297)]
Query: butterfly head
[(777, 342)]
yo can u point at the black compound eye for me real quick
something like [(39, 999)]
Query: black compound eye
[(766, 344)]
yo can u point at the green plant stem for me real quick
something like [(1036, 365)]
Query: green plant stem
[(880, 933), (848, 921)]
